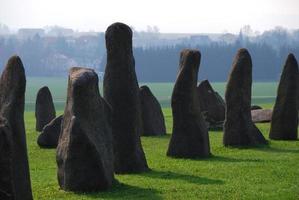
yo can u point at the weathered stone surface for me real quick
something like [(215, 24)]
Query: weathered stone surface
[(121, 91), (85, 147), (261, 115), (152, 116), (44, 108), (190, 137), (50, 134), (211, 105), (239, 130), (14, 170), (256, 107), (285, 113)]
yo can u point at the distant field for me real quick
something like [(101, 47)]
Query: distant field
[(263, 93)]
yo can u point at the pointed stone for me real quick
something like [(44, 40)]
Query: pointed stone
[(284, 122), (44, 108), (14, 169), (190, 137), (85, 148), (50, 134), (153, 123), (239, 130), (121, 91), (211, 103)]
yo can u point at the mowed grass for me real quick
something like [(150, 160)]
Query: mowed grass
[(267, 172)]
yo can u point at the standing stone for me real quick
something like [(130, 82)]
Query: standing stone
[(285, 113), (85, 148), (50, 134), (212, 104), (152, 116), (44, 108), (14, 169), (190, 137), (121, 91), (239, 130)]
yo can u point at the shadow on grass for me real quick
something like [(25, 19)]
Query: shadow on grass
[(124, 191), (227, 159), (168, 175), (277, 150)]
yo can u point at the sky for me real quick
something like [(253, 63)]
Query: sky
[(171, 16)]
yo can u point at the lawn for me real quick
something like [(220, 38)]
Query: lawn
[(269, 172)]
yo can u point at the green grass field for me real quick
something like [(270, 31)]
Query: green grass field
[(269, 172)]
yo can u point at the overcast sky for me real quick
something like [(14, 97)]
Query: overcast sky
[(180, 16)]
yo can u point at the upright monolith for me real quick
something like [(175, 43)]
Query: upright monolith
[(85, 148), (153, 123), (50, 134), (284, 121), (122, 92), (44, 108), (14, 169), (190, 137), (239, 130)]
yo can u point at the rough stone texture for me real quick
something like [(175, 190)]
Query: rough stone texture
[(152, 116), (256, 107), (14, 170), (239, 130), (211, 104), (121, 91), (285, 113), (190, 137), (44, 108), (50, 134), (261, 115), (85, 147)]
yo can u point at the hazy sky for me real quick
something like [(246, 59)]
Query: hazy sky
[(181, 16)]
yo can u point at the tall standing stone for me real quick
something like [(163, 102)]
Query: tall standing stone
[(284, 121), (153, 123), (44, 108), (14, 169), (122, 92), (190, 137), (85, 148), (239, 130)]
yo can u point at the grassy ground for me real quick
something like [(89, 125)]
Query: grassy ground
[(270, 172)]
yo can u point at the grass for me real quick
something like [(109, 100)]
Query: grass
[(268, 172)]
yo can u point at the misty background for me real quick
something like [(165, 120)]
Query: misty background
[(52, 50)]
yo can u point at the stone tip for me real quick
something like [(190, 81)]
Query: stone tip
[(243, 52), (291, 57), (14, 60), (119, 28), (81, 75)]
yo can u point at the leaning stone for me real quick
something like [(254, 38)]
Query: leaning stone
[(121, 91), (239, 130), (284, 122), (153, 123), (44, 108), (261, 115), (85, 148), (190, 137), (50, 134), (14, 169), (211, 104)]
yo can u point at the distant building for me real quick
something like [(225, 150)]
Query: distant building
[(28, 33)]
